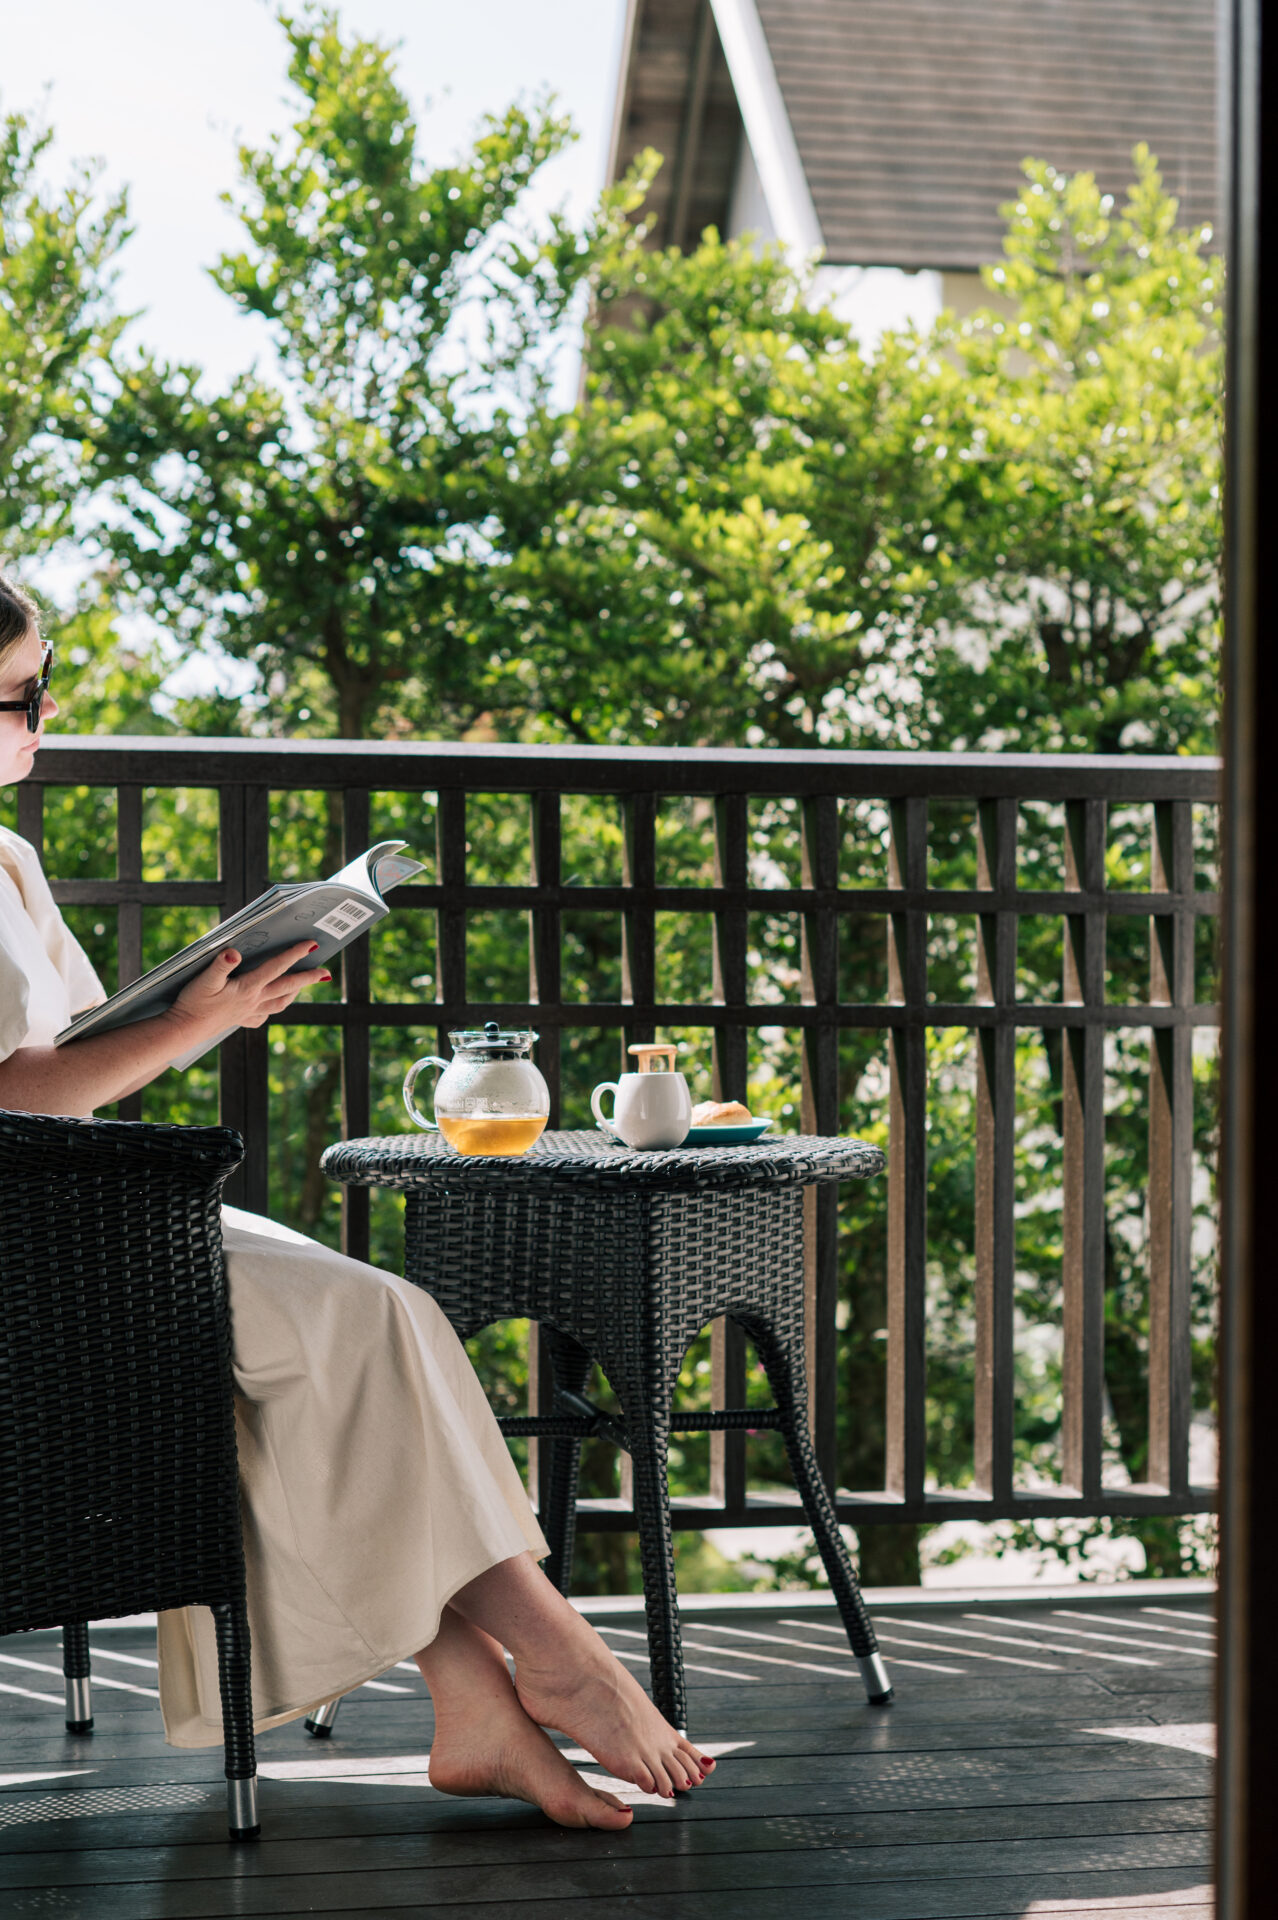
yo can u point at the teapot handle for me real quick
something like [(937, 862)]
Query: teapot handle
[(410, 1081)]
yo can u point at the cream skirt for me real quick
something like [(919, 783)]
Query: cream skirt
[(374, 1481)]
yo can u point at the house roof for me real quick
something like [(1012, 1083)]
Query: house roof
[(905, 121), (912, 116)]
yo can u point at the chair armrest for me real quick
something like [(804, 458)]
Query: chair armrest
[(58, 1144)]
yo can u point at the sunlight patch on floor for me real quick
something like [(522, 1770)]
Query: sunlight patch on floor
[(1181, 1899), (1198, 1736), (59, 1773), (380, 1770)]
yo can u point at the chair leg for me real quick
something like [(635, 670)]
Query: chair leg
[(784, 1366), (230, 1621), (320, 1723), (570, 1365), (76, 1671)]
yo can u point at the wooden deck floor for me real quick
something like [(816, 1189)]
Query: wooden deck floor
[(1043, 1759)]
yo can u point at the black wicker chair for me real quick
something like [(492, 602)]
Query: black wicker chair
[(118, 1481)]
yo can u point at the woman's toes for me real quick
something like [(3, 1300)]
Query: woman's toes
[(582, 1806), (607, 1811), (685, 1761)]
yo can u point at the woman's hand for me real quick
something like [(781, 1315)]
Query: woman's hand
[(213, 1001)]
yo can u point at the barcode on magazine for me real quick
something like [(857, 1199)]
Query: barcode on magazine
[(345, 918)]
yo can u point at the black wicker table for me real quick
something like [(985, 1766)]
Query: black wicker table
[(623, 1258)]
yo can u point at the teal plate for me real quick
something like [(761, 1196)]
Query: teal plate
[(741, 1136)]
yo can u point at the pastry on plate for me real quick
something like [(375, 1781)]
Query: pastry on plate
[(721, 1113)]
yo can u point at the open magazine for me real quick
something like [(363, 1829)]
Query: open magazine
[(331, 912)]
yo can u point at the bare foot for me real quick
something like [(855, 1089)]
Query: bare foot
[(486, 1744), (583, 1690), (510, 1757), (567, 1678)]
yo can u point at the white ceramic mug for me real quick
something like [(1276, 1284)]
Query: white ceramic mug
[(650, 1109)]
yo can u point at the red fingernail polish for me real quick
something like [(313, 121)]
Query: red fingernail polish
[(314, 947), (326, 976)]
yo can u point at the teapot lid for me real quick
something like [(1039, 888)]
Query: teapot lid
[(497, 1042)]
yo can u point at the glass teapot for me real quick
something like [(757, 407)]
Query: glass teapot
[(489, 1098)]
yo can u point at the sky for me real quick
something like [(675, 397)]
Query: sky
[(163, 92)]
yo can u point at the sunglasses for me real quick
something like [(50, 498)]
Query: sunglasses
[(33, 701)]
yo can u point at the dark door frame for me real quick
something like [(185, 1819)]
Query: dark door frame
[(1247, 1821)]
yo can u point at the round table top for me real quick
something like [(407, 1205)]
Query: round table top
[(592, 1160)]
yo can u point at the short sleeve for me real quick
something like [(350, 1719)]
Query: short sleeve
[(14, 995), (69, 959)]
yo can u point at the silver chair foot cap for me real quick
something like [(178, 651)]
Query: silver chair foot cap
[(79, 1704), (241, 1809), (320, 1723), (879, 1690)]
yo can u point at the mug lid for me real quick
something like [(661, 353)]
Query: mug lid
[(654, 1058)]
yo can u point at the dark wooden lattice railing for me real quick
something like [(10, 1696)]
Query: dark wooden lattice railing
[(245, 774)]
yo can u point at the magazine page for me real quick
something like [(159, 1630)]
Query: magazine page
[(378, 870)]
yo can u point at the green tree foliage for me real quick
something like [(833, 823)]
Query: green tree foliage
[(743, 542), (57, 327), (327, 518), (1004, 534), (1085, 510)]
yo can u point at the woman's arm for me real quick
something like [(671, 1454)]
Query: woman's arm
[(90, 1073)]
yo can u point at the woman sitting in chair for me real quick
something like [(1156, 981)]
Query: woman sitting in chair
[(383, 1516)]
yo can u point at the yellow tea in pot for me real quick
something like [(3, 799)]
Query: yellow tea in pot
[(499, 1133)]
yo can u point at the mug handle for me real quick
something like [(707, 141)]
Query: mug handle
[(410, 1081), (596, 1107)]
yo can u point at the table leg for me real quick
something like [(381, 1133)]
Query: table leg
[(783, 1362), (649, 1442), (570, 1365)]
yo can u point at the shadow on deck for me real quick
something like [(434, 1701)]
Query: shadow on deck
[(1044, 1758)]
